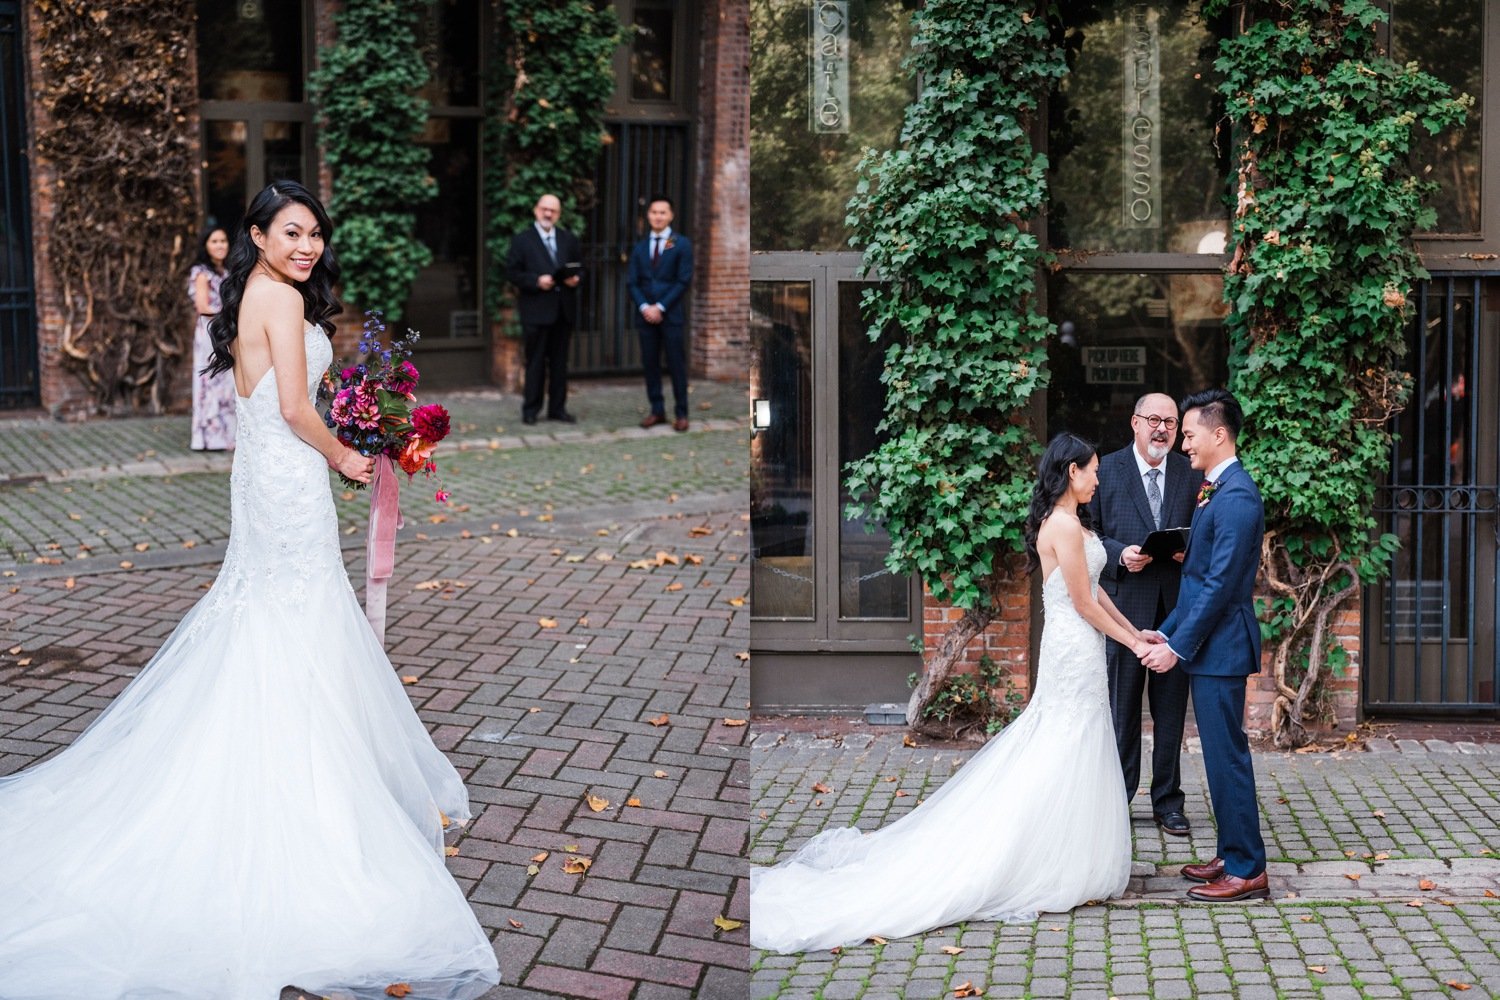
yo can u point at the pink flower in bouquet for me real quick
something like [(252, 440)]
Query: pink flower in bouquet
[(364, 412), (430, 422), (442, 496), (415, 456), (404, 378), (348, 373), (340, 408)]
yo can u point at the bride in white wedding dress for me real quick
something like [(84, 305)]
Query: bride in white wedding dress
[(1037, 821), (260, 807)]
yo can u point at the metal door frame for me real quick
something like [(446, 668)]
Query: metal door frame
[(1394, 656), (20, 363)]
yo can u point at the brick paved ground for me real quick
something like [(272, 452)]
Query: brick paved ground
[(1402, 812), (535, 717)]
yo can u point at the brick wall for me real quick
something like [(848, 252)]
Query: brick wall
[(1008, 643), (721, 287)]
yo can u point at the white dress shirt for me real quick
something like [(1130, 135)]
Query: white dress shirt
[(665, 237)]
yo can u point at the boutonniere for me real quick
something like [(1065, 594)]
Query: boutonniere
[(668, 245), (1206, 492)]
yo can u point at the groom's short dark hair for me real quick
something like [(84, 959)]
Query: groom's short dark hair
[(1216, 408)]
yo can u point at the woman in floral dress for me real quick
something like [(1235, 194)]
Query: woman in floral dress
[(213, 395)]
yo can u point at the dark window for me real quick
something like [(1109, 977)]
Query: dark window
[(250, 50)]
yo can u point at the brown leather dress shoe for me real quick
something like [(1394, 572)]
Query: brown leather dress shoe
[(680, 425), (1204, 873), (1228, 888), (653, 420)]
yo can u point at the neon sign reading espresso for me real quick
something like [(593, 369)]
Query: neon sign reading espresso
[(828, 66), (1140, 141)]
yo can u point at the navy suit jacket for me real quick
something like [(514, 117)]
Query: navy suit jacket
[(1122, 517), (1214, 629), (666, 282)]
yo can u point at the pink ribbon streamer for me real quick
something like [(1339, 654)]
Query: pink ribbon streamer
[(380, 548)]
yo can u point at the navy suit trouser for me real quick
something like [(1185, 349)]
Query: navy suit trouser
[(1219, 710), (658, 339)]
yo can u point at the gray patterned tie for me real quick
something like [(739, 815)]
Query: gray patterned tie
[(1153, 494)]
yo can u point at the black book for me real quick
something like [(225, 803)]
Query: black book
[(571, 269), (1166, 543)]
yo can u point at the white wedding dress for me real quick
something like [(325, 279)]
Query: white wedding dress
[(1036, 821), (260, 807)]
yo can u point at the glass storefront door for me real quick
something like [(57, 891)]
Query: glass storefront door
[(831, 626)]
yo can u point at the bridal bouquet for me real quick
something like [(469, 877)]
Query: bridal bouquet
[(372, 406)]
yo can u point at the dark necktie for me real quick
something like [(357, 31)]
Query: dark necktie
[(551, 247), (655, 249)]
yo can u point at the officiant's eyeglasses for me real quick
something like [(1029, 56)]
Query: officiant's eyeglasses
[(1154, 421)]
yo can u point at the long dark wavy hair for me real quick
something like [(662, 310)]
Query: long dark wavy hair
[(1063, 451), (203, 257), (320, 305)]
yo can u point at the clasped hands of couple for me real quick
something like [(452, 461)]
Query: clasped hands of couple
[(1151, 646)]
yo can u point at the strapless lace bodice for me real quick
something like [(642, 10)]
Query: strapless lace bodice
[(1071, 663), (283, 530)]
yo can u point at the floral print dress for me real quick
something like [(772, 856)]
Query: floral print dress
[(213, 395)]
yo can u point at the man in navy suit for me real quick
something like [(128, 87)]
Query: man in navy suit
[(1144, 487), (547, 302), (661, 267), (1215, 637)]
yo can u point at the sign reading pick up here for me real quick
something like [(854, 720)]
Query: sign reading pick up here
[(1114, 365)]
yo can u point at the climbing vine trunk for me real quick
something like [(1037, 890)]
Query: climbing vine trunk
[(944, 221), (1326, 206), (117, 98)]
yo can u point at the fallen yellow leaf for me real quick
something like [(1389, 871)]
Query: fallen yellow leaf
[(547, 622), (967, 990), (643, 564), (821, 788), (742, 657), (693, 560), (397, 990), (127, 564), (69, 583), (1318, 968), (596, 803), (661, 720), (659, 774), (725, 924), (532, 870), (450, 852), (409, 679), (1426, 885), (902, 794), (735, 722), (949, 949), (515, 923), (877, 939), (907, 741), (142, 546), (633, 801), (443, 818), (513, 533), (539, 858), (576, 866), (738, 602), (1417, 903), (1354, 877), (1458, 985), (665, 558)]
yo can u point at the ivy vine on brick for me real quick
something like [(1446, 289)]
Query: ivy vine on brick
[(1323, 264), (945, 221), (116, 93), (550, 72), (369, 115)]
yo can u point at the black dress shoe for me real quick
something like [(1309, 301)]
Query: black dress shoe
[(528, 418), (1174, 823), (564, 417)]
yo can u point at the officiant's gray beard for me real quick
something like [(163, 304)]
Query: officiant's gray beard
[(1156, 452)]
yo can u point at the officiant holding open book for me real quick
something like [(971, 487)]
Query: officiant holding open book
[(1146, 490)]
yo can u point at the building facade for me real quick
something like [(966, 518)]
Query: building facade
[(1139, 224), (676, 122)]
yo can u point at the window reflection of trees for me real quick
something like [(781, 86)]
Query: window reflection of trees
[(1446, 38), (801, 180), (1084, 130)]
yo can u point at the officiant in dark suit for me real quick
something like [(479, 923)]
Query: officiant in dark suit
[(661, 268), (1144, 487), (544, 263)]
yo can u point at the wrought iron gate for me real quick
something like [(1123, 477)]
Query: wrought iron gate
[(20, 383), (641, 159), (1430, 627)]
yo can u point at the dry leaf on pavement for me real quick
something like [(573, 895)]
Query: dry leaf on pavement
[(949, 949), (1426, 884), (409, 679), (515, 923), (661, 720), (633, 801), (450, 852), (821, 788), (547, 622), (725, 924), (397, 990), (734, 722), (576, 866), (596, 803)]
